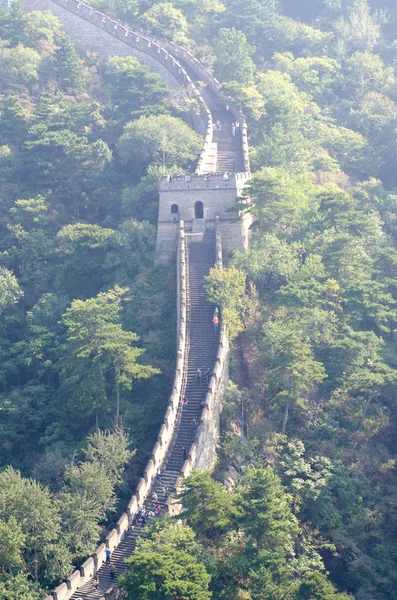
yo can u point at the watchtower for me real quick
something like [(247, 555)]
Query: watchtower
[(198, 200)]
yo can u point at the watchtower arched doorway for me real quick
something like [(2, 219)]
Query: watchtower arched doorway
[(174, 209), (198, 210)]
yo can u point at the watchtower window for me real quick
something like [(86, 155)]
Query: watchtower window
[(198, 210), (174, 209)]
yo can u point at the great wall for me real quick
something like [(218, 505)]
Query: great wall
[(197, 222)]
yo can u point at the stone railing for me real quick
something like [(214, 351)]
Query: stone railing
[(204, 445), (160, 450), (150, 47)]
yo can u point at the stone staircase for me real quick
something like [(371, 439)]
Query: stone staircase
[(229, 157), (203, 345)]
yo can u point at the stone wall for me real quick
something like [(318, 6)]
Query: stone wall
[(160, 450)]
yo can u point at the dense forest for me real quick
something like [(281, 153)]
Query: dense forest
[(87, 324)]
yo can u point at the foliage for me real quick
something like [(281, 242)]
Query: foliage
[(69, 237), (133, 89), (97, 345), (163, 20), (207, 505), (233, 61), (167, 565), (310, 308), (158, 140)]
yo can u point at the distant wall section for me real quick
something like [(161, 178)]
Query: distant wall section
[(90, 33), (94, 32)]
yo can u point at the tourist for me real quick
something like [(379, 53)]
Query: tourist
[(184, 453), (112, 570), (95, 581), (199, 375), (226, 176), (108, 553), (215, 321), (185, 403), (233, 129)]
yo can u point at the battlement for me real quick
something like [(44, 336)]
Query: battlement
[(209, 181)]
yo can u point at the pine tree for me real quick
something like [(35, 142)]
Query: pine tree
[(67, 65), (265, 514)]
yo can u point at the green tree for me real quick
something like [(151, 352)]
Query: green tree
[(295, 369), (158, 139), (14, 118), (10, 292), (67, 65), (164, 20), (50, 156), (81, 249), (134, 89), (19, 67), (263, 584), (111, 449), (315, 586), (40, 31), (350, 149), (18, 587), (88, 494), (96, 338), (167, 565), (367, 374), (207, 505), (270, 262), (264, 513), (46, 557), (315, 75), (279, 201), (127, 10), (359, 30), (257, 19), (364, 72), (12, 541), (141, 201), (233, 57)]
